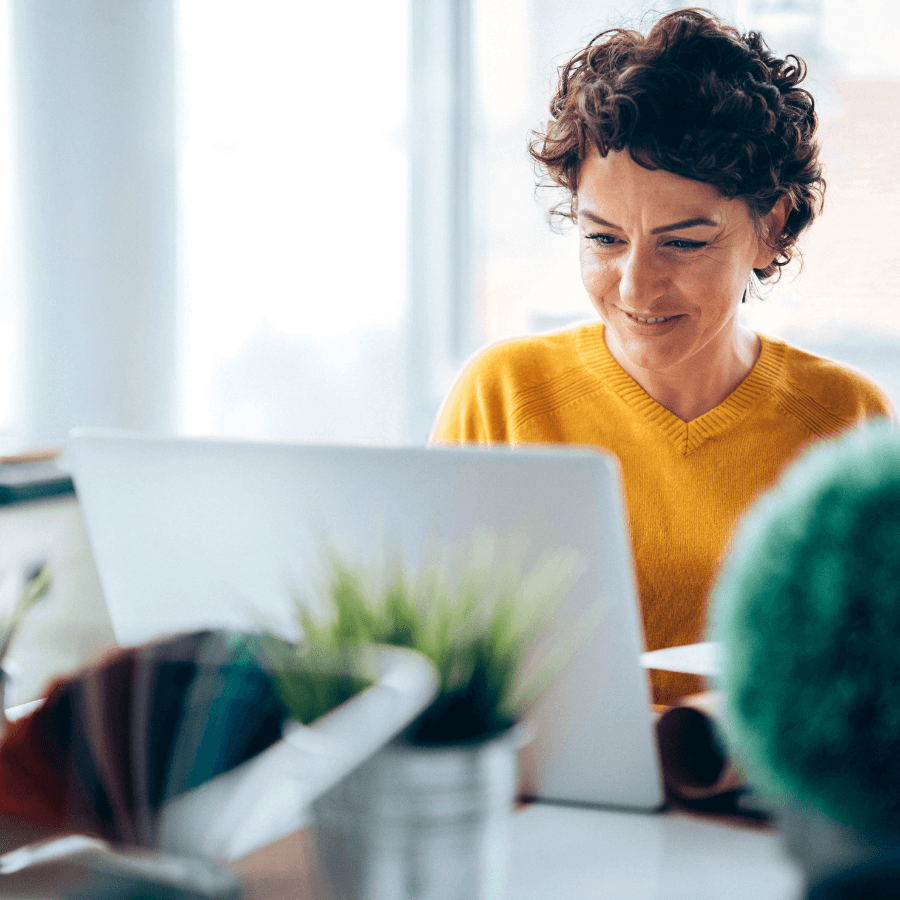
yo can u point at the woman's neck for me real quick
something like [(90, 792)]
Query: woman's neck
[(698, 385)]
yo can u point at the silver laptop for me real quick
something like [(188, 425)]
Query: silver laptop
[(192, 533)]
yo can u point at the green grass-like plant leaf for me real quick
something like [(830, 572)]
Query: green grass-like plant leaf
[(479, 630), (308, 683)]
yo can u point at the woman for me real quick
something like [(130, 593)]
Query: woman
[(689, 163)]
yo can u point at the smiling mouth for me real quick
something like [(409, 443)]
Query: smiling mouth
[(655, 321)]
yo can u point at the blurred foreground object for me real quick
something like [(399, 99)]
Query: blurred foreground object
[(140, 876), (808, 612), (79, 868), (115, 741), (182, 745)]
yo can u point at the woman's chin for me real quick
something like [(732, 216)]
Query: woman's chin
[(651, 354)]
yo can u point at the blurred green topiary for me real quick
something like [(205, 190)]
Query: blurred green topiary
[(808, 611)]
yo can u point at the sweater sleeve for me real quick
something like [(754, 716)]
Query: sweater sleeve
[(502, 386), (830, 396), (473, 412), (869, 400), (880, 407)]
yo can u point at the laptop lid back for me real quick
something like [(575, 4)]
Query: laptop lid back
[(191, 534)]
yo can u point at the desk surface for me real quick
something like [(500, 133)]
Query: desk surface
[(560, 851), (557, 852), (584, 854)]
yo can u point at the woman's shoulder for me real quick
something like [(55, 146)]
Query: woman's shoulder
[(527, 360), (837, 387), (502, 377)]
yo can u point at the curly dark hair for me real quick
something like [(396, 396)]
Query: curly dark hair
[(697, 98)]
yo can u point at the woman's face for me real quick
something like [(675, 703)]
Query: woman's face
[(665, 260)]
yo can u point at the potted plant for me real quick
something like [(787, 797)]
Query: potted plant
[(428, 815)]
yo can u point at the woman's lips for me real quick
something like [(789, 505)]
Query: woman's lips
[(655, 320)]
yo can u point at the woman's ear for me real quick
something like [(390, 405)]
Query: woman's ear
[(772, 227)]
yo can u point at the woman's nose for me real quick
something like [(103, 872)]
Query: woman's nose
[(641, 281)]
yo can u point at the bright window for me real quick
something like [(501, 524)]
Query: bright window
[(9, 319), (294, 181)]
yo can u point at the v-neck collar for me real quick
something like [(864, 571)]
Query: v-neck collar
[(684, 436)]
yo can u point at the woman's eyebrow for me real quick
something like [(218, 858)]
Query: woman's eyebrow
[(587, 214), (685, 223)]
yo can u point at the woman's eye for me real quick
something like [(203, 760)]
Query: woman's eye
[(605, 239), (686, 245)]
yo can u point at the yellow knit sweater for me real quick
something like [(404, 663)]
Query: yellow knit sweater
[(686, 483)]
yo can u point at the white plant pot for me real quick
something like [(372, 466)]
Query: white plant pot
[(422, 823)]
